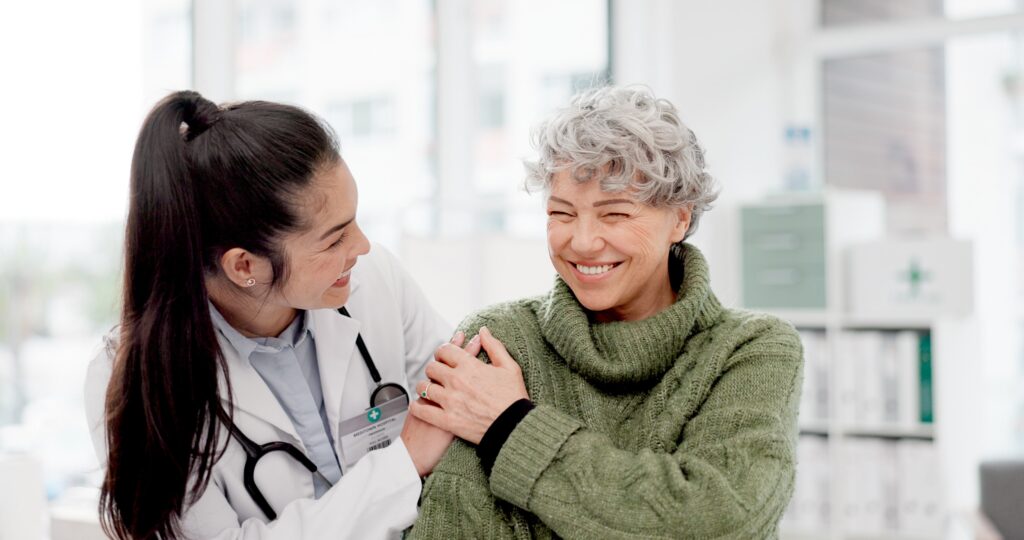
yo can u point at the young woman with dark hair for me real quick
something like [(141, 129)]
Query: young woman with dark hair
[(256, 386)]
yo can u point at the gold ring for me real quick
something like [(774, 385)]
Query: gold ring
[(423, 394)]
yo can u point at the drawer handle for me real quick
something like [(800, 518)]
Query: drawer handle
[(779, 211), (779, 242), (779, 277)]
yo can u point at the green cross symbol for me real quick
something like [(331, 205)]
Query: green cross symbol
[(916, 276), (373, 415)]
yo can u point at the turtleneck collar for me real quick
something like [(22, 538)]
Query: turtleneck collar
[(630, 353)]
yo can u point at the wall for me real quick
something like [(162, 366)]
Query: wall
[(725, 64)]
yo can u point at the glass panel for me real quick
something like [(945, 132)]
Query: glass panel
[(941, 132), (986, 196), (525, 68), (965, 9), (94, 72), (838, 13), (885, 129), (368, 69)]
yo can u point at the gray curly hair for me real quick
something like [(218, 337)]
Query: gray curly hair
[(629, 139)]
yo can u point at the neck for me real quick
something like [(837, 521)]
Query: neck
[(633, 352), (250, 315)]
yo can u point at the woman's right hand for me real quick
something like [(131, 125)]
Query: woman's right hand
[(425, 442)]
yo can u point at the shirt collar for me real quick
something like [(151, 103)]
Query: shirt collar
[(292, 336)]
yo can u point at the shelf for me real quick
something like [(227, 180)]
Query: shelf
[(814, 428), (886, 322), (801, 318), (887, 536), (821, 428), (924, 431), (788, 534), (819, 319), (785, 534)]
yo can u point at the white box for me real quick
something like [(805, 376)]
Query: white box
[(22, 498), (814, 396), (922, 509), (910, 278)]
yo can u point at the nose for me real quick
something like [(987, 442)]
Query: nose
[(362, 242), (586, 237)]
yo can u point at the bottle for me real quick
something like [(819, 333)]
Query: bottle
[(799, 159)]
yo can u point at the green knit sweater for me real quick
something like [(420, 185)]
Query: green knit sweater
[(681, 425)]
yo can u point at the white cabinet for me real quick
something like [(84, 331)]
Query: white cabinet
[(887, 421), (890, 405)]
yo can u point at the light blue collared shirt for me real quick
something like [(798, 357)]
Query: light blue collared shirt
[(288, 364)]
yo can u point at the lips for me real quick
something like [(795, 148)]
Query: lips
[(343, 279), (592, 271)]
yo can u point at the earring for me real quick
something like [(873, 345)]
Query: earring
[(250, 282)]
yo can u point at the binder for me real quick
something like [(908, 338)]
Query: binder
[(925, 372)]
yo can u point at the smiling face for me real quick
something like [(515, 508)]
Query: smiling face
[(321, 257), (611, 249)]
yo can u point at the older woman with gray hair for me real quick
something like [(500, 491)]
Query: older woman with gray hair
[(627, 402)]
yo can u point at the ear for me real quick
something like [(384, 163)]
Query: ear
[(682, 225), (240, 266)]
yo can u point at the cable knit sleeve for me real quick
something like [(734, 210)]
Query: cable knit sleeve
[(457, 503), (731, 476), (457, 500)]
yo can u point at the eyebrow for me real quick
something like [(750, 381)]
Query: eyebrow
[(612, 201), (598, 203), (335, 229)]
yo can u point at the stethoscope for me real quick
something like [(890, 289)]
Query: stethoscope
[(383, 393)]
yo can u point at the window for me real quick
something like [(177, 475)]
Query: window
[(529, 58), (365, 67), (73, 126), (840, 13), (885, 130), (371, 70), (936, 126)]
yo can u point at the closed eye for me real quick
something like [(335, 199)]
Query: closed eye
[(336, 243)]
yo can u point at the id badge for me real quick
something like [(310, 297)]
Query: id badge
[(373, 429)]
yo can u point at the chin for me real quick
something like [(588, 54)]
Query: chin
[(596, 307), (592, 302), (334, 299)]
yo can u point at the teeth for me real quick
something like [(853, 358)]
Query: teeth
[(345, 273), (594, 270)]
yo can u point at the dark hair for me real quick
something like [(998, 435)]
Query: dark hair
[(204, 180)]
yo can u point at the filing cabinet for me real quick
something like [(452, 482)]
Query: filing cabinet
[(783, 254), (791, 245)]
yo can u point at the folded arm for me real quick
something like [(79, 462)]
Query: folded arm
[(731, 475)]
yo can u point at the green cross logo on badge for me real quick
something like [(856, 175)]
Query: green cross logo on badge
[(373, 415)]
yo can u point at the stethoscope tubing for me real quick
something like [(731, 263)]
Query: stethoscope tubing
[(254, 452)]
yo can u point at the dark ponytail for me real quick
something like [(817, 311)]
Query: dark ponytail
[(203, 180)]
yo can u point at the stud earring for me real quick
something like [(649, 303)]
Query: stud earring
[(250, 282)]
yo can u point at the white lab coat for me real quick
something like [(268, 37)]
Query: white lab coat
[(377, 497)]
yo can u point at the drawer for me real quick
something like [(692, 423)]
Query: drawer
[(779, 247), (802, 217), (784, 286)]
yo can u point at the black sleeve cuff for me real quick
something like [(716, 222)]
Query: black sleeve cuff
[(499, 432)]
